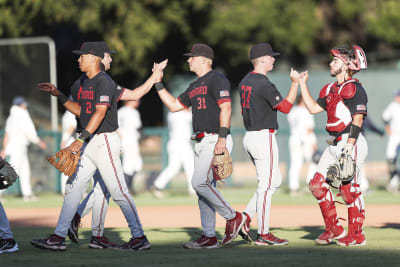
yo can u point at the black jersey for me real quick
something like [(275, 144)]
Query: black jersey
[(259, 98), (100, 90), (76, 91), (204, 96)]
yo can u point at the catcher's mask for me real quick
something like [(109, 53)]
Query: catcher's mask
[(354, 58)]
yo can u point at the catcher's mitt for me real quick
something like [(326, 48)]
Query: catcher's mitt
[(342, 171), (222, 165), (65, 161), (7, 174)]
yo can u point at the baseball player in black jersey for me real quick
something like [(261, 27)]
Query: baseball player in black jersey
[(209, 97), (345, 102), (260, 101), (97, 110), (97, 200)]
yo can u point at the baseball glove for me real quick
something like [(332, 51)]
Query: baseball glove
[(7, 174), (65, 161), (342, 171), (222, 165)]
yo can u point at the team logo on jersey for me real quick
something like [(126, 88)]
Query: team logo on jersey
[(224, 93), (277, 98), (104, 98), (361, 107)]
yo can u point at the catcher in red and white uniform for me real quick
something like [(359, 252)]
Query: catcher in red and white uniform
[(345, 102)]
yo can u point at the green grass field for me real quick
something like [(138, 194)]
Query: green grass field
[(382, 250), (383, 247)]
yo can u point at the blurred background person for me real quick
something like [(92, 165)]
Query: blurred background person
[(19, 133), (129, 129), (180, 152), (302, 144), (391, 118), (368, 125), (68, 123)]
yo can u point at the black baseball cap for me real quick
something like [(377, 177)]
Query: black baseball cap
[(92, 48), (260, 50), (107, 49), (201, 50)]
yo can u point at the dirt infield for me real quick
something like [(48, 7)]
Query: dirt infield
[(188, 216)]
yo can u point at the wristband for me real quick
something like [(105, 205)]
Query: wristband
[(80, 140), (354, 131), (159, 86), (223, 132), (85, 135), (62, 98)]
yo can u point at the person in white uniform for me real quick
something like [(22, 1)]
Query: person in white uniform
[(302, 144), (68, 123), (180, 151), (19, 133), (391, 118), (129, 129)]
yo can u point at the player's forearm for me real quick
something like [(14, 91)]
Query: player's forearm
[(225, 115), (357, 121), (291, 97), (96, 120), (170, 101), (73, 107), (311, 105), (140, 91)]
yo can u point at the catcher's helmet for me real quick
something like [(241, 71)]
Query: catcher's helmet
[(354, 58)]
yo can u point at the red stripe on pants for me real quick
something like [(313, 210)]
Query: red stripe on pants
[(119, 182)]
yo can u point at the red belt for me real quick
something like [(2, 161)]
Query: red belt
[(200, 136)]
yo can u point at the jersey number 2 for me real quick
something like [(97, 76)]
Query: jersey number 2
[(88, 107), (245, 100), (201, 103)]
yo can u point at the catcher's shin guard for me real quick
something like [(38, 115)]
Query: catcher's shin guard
[(318, 186), (333, 229), (355, 236), (349, 196)]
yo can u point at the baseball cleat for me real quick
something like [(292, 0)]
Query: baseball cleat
[(202, 242), (135, 243), (233, 227), (352, 240), (100, 242), (74, 228), (270, 239), (328, 236), (8, 245), (245, 230), (53, 242)]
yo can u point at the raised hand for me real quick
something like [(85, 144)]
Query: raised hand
[(294, 75), (158, 70), (304, 76), (49, 88)]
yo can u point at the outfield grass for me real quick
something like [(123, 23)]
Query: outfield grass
[(382, 250)]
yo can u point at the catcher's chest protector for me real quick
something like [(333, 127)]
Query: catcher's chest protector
[(339, 116)]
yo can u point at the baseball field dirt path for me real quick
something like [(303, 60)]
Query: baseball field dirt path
[(188, 216)]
